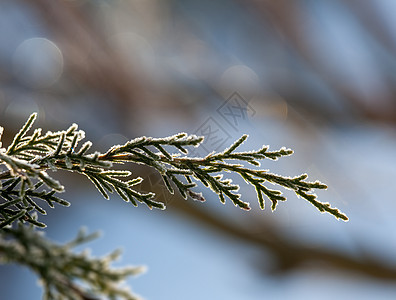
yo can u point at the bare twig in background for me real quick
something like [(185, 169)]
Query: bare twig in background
[(289, 254), (89, 58), (287, 19)]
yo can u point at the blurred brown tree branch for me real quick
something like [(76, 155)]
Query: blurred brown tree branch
[(287, 19)]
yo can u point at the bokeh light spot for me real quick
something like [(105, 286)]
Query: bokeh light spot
[(38, 62), (21, 107)]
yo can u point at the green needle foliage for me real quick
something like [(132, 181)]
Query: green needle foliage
[(26, 189), (29, 157), (58, 267)]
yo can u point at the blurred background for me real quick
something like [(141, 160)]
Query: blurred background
[(316, 76)]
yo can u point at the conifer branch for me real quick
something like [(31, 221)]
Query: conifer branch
[(27, 187), (64, 274), (29, 157)]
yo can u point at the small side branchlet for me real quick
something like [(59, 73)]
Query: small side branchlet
[(63, 273)]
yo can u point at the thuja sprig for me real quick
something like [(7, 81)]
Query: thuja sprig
[(29, 157), (210, 170), (63, 273)]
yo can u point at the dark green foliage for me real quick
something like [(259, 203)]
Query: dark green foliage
[(30, 156)]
